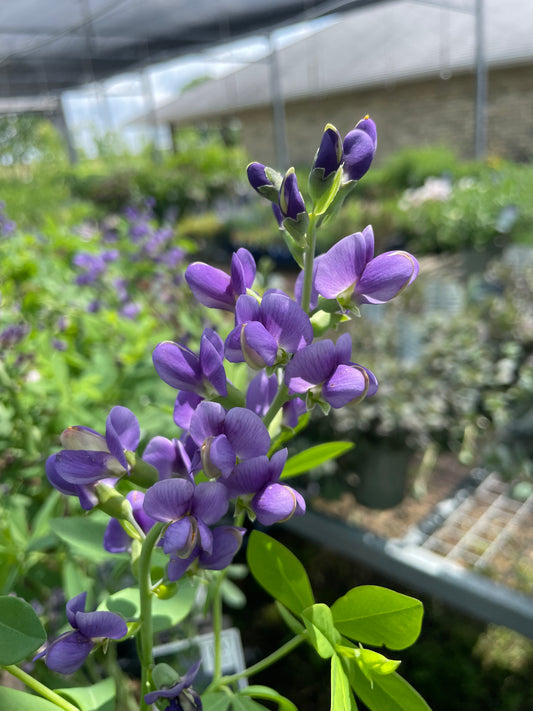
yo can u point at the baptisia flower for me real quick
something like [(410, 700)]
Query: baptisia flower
[(266, 332), (272, 502), (349, 271), (179, 692), (224, 438), (190, 509), (89, 456), (170, 457), (67, 653), (217, 290), (181, 368), (326, 373)]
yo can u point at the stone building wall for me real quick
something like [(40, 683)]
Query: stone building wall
[(416, 113)]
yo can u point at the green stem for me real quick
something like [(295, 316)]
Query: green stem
[(40, 689), (146, 630), (309, 258), (217, 626), (276, 405), (259, 666)]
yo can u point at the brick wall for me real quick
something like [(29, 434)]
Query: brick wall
[(416, 113)]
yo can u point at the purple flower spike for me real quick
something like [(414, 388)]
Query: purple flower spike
[(265, 333), (182, 369), (349, 271), (359, 148), (181, 694), (67, 653), (325, 372), (217, 290), (291, 202)]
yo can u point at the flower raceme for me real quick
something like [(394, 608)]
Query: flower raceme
[(68, 652)]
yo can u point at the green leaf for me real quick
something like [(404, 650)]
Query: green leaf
[(313, 457), (279, 572), (341, 695), (378, 616), (384, 693), (245, 703), (98, 697), (85, 535), (265, 692), (21, 631), (216, 701), (15, 700), (166, 613), (322, 633)]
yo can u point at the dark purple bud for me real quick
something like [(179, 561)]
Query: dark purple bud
[(330, 152), (264, 180), (359, 148), (291, 202)]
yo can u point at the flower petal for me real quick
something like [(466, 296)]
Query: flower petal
[(226, 542), (286, 321), (210, 286), (246, 432), (101, 624), (210, 501), (276, 503), (169, 500), (178, 366), (207, 421), (80, 467), (211, 364), (386, 276), (348, 383), (75, 605), (67, 654), (342, 265), (310, 366), (122, 432)]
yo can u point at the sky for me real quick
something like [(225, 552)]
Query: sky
[(98, 108)]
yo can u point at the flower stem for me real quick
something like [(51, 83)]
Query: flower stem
[(146, 630), (217, 626), (259, 666), (40, 689), (309, 257), (277, 403)]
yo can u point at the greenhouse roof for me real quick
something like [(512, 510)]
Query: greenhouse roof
[(46, 48)]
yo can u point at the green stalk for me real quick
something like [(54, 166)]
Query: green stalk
[(259, 666), (40, 689), (146, 630), (309, 258), (217, 627), (276, 405)]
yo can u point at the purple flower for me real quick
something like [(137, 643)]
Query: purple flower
[(265, 333), (225, 437), (190, 509), (264, 180), (262, 390), (182, 369), (272, 502), (217, 290), (181, 695), (67, 653), (89, 456), (325, 372), (93, 265), (116, 540), (349, 271), (359, 147)]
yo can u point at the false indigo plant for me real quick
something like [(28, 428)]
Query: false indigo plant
[(192, 499)]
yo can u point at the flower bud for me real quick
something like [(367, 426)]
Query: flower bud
[(327, 161), (292, 206), (264, 180), (359, 149)]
